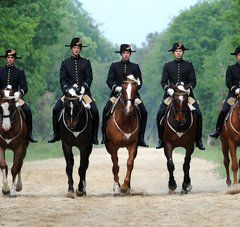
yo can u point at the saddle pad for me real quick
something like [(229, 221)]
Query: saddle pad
[(86, 99), (231, 101), (20, 102), (168, 100)]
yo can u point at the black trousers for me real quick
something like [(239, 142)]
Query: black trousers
[(28, 114)]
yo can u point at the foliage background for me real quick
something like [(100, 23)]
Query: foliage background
[(39, 29)]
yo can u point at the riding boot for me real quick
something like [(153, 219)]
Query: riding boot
[(104, 126), (28, 115), (143, 123), (105, 116), (160, 137), (199, 143), (215, 134), (95, 122), (56, 135)]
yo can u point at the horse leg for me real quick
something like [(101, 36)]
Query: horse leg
[(170, 165), (112, 150), (226, 160), (4, 168), (232, 148), (186, 185), (67, 151), (85, 152), (132, 153), (19, 155)]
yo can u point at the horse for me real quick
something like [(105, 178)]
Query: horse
[(122, 131), (75, 125), (180, 129), (230, 140), (13, 133)]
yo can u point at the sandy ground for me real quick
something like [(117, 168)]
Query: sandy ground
[(43, 202)]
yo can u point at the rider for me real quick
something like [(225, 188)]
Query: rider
[(15, 77), (118, 72), (233, 84), (175, 72), (75, 70)]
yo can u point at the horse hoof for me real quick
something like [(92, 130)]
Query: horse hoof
[(184, 192), (19, 188), (80, 193), (172, 187), (125, 191), (70, 195), (5, 192)]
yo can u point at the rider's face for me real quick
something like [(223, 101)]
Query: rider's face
[(75, 50), (125, 55), (238, 57), (178, 54), (10, 60)]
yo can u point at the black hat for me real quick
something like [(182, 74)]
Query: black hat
[(10, 53), (237, 51), (75, 42), (125, 47), (178, 46)]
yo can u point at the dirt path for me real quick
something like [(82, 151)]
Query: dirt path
[(42, 201)]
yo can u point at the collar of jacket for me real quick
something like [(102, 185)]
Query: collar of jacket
[(9, 66), (178, 61), (75, 57), (125, 62)]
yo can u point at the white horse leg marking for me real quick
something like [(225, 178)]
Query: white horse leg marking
[(5, 187), (13, 189), (129, 90), (116, 188), (6, 124)]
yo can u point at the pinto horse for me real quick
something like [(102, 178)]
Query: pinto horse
[(75, 130), (230, 140), (13, 132), (180, 128), (122, 131)]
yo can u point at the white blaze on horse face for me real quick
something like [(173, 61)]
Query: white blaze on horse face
[(129, 91), (71, 106), (6, 123), (181, 100)]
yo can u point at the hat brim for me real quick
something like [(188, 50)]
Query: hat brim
[(235, 53), (4, 56), (68, 45), (118, 52), (172, 50)]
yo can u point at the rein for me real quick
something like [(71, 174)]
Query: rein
[(21, 123)]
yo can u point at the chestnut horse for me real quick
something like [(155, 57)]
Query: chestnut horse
[(13, 132), (76, 130), (122, 131), (180, 128), (230, 140)]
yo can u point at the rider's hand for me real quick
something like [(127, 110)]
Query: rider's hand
[(82, 90), (237, 91), (118, 89), (72, 92), (17, 95), (170, 91)]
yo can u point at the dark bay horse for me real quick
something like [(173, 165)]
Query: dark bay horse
[(13, 133), (230, 140), (122, 131), (76, 130), (180, 128)]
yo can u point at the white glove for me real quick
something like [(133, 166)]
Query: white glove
[(72, 92), (170, 91), (138, 82), (118, 89), (237, 91), (17, 95), (75, 86), (82, 90)]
